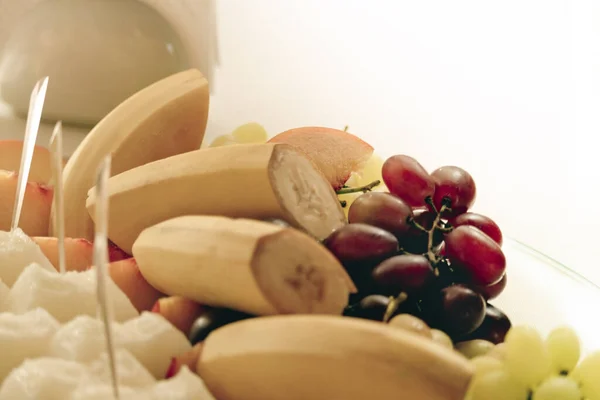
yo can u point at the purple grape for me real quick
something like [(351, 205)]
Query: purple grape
[(211, 319), (494, 327), (383, 210), (456, 310), (408, 273)]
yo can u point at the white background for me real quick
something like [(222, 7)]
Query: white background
[(508, 90)]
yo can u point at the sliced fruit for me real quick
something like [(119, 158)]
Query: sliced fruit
[(36, 205), (246, 265), (250, 181), (336, 153), (126, 274), (78, 252), (166, 118), (10, 160), (115, 253), (188, 359), (324, 357), (179, 311)]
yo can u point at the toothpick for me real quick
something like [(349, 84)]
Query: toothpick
[(34, 116), (56, 148), (100, 261)]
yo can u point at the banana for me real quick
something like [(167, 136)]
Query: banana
[(302, 357), (247, 265), (166, 118), (249, 181)]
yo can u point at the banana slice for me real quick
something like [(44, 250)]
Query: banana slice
[(164, 119), (246, 265), (304, 357), (248, 181)]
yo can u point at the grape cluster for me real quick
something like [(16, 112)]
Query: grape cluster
[(528, 367), (250, 132), (418, 250)]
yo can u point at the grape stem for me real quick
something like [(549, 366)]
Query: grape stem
[(343, 203), (365, 188), (445, 229), (411, 221), (393, 305), (430, 253), (429, 202)]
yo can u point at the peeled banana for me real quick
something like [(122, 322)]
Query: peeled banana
[(312, 357), (166, 118), (247, 181), (247, 265)]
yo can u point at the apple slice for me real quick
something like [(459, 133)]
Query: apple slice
[(179, 311), (127, 276), (189, 359), (10, 160), (335, 153), (166, 118), (249, 181), (325, 357), (246, 265), (36, 205), (79, 252)]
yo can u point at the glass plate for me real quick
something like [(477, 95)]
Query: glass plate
[(546, 294)]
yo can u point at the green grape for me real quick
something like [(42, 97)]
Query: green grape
[(441, 338), (485, 364), (557, 388), (474, 348), (251, 132), (499, 351), (564, 349), (587, 374), (223, 140), (497, 385), (526, 356)]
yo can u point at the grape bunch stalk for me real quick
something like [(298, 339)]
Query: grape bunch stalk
[(418, 250)]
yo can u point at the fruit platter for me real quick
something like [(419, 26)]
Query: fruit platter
[(157, 264)]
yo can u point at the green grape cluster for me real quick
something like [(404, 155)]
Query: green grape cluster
[(527, 367)]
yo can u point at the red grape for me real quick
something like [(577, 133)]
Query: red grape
[(456, 310), (408, 273), (457, 185), (407, 179), (360, 247), (485, 224), (383, 210), (492, 291), (494, 327), (357, 243), (415, 240), (475, 254)]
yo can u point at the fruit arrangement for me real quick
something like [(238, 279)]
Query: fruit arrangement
[(301, 266)]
